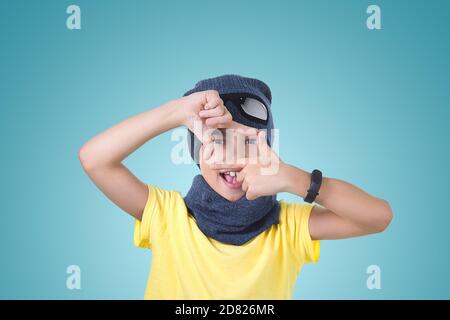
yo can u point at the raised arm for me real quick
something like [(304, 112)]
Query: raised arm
[(344, 210), (102, 156)]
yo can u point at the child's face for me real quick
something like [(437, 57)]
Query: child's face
[(227, 152)]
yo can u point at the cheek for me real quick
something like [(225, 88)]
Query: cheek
[(211, 176), (207, 173)]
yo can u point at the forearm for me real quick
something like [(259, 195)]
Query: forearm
[(113, 145), (343, 199)]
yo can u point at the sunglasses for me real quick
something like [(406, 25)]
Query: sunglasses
[(249, 105)]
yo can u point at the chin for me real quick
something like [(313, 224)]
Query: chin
[(232, 197)]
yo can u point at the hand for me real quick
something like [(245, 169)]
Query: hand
[(205, 109), (265, 174)]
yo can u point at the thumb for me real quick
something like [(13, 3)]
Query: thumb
[(212, 99), (240, 176)]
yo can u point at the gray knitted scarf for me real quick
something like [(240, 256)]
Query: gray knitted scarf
[(226, 221)]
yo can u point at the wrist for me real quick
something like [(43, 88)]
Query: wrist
[(176, 112), (298, 180)]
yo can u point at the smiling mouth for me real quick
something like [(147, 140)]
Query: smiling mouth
[(230, 179)]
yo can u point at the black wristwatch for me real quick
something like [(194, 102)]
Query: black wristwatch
[(314, 187)]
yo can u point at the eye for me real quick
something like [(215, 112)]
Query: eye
[(250, 141), (218, 141), (218, 136)]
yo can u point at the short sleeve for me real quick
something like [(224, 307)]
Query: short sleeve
[(306, 249), (149, 227)]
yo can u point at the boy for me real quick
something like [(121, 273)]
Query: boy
[(228, 238)]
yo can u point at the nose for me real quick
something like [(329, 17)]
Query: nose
[(232, 147), (235, 151)]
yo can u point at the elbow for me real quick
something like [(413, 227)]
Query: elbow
[(85, 159), (383, 218)]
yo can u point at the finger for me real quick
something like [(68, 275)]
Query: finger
[(250, 195), (215, 112), (264, 151), (208, 150), (262, 142), (244, 186), (240, 127), (241, 176), (251, 132), (213, 100), (219, 122), (207, 134), (213, 104), (197, 129)]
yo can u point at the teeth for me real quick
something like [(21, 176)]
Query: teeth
[(231, 173)]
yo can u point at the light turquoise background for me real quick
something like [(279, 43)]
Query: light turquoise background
[(368, 107)]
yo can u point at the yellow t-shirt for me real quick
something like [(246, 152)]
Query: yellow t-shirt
[(186, 264)]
